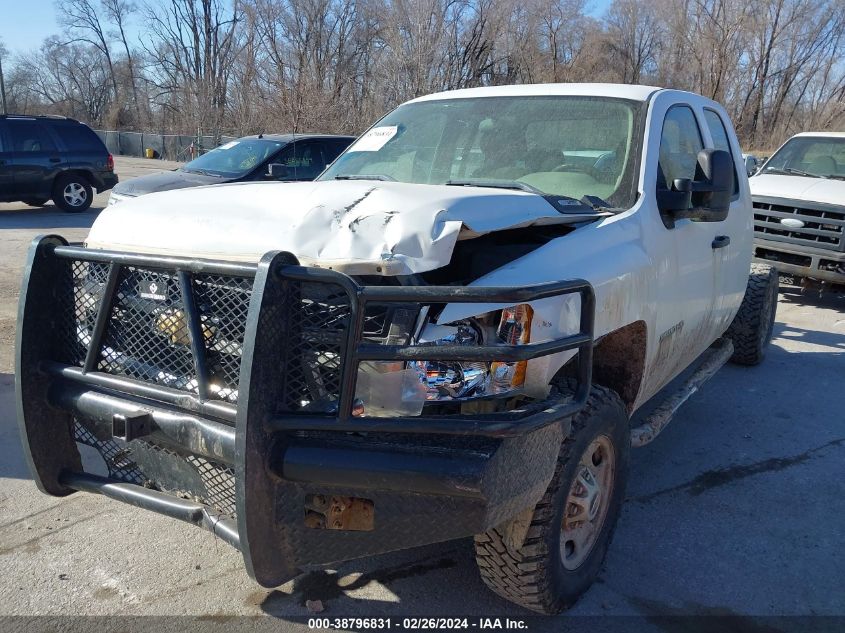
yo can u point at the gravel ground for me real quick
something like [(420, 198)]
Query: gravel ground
[(737, 509)]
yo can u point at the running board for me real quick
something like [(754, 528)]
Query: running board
[(711, 361)]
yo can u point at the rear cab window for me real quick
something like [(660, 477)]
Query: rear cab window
[(719, 134)]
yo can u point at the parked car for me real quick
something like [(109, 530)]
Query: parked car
[(799, 208), (445, 335), (52, 158), (261, 157)]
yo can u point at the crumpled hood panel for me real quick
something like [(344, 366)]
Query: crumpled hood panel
[(356, 226), (824, 190)]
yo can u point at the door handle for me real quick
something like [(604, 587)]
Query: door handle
[(720, 241), (55, 160)]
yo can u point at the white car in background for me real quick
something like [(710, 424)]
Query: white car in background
[(799, 207)]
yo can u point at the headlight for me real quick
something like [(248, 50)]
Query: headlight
[(401, 389), (461, 380)]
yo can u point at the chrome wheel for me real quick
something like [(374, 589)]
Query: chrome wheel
[(75, 194), (587, 503)]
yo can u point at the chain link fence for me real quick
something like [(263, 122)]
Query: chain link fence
[(167, 146)]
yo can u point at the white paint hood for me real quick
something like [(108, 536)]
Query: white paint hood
[(357, 226), (824, 190)]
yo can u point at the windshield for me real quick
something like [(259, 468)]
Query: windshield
[(819, 156), (235, 158), (559, 146)]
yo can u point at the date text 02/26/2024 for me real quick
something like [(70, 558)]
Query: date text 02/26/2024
[(418, 623)]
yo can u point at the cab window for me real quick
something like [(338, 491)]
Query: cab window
[(719, 134), (680, 143)]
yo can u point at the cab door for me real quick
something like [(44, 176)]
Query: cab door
[(692, 252), (738, 228)]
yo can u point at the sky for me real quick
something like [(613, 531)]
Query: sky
[(25, 23)]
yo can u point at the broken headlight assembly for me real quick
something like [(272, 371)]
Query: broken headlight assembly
[(461, 380), (397, 388)]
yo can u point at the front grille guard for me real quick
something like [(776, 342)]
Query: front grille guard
[(52, 395)]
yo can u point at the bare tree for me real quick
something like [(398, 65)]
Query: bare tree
[(118, 12), (635, 36), (191, 45), (82, 20), (238, 66)]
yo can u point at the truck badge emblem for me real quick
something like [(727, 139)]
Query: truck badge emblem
[(792, 223)]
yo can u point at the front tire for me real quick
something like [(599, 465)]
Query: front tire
[(753, 326), (561, 553), (72, 193)]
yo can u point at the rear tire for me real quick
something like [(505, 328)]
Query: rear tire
[(753, 326), (72, 193), (546, 571), (36, 202)]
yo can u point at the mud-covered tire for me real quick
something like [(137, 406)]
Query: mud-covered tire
[(522, 560), (72, 193), (752, 327)]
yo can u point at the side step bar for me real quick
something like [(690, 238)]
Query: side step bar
[(175, 508), (712, 360)]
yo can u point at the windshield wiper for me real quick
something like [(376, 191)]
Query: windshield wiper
[(365, 177), (561, 203), (496, 184), (202, 172), (793, 172)]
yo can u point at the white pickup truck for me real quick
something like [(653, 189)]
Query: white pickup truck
[(799, 208), (445, 335)]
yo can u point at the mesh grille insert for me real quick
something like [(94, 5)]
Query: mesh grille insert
[(146, 336), (153, 466)]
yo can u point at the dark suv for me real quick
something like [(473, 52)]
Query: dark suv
[(52, 158)]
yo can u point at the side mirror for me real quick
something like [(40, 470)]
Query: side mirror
[(751, 164), (705, 199), (277, 171)]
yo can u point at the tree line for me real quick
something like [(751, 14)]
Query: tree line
[(246, 66)]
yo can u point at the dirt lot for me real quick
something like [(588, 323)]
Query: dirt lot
[(737, 509)]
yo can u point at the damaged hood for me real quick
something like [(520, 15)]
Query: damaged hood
[(356, 226)]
